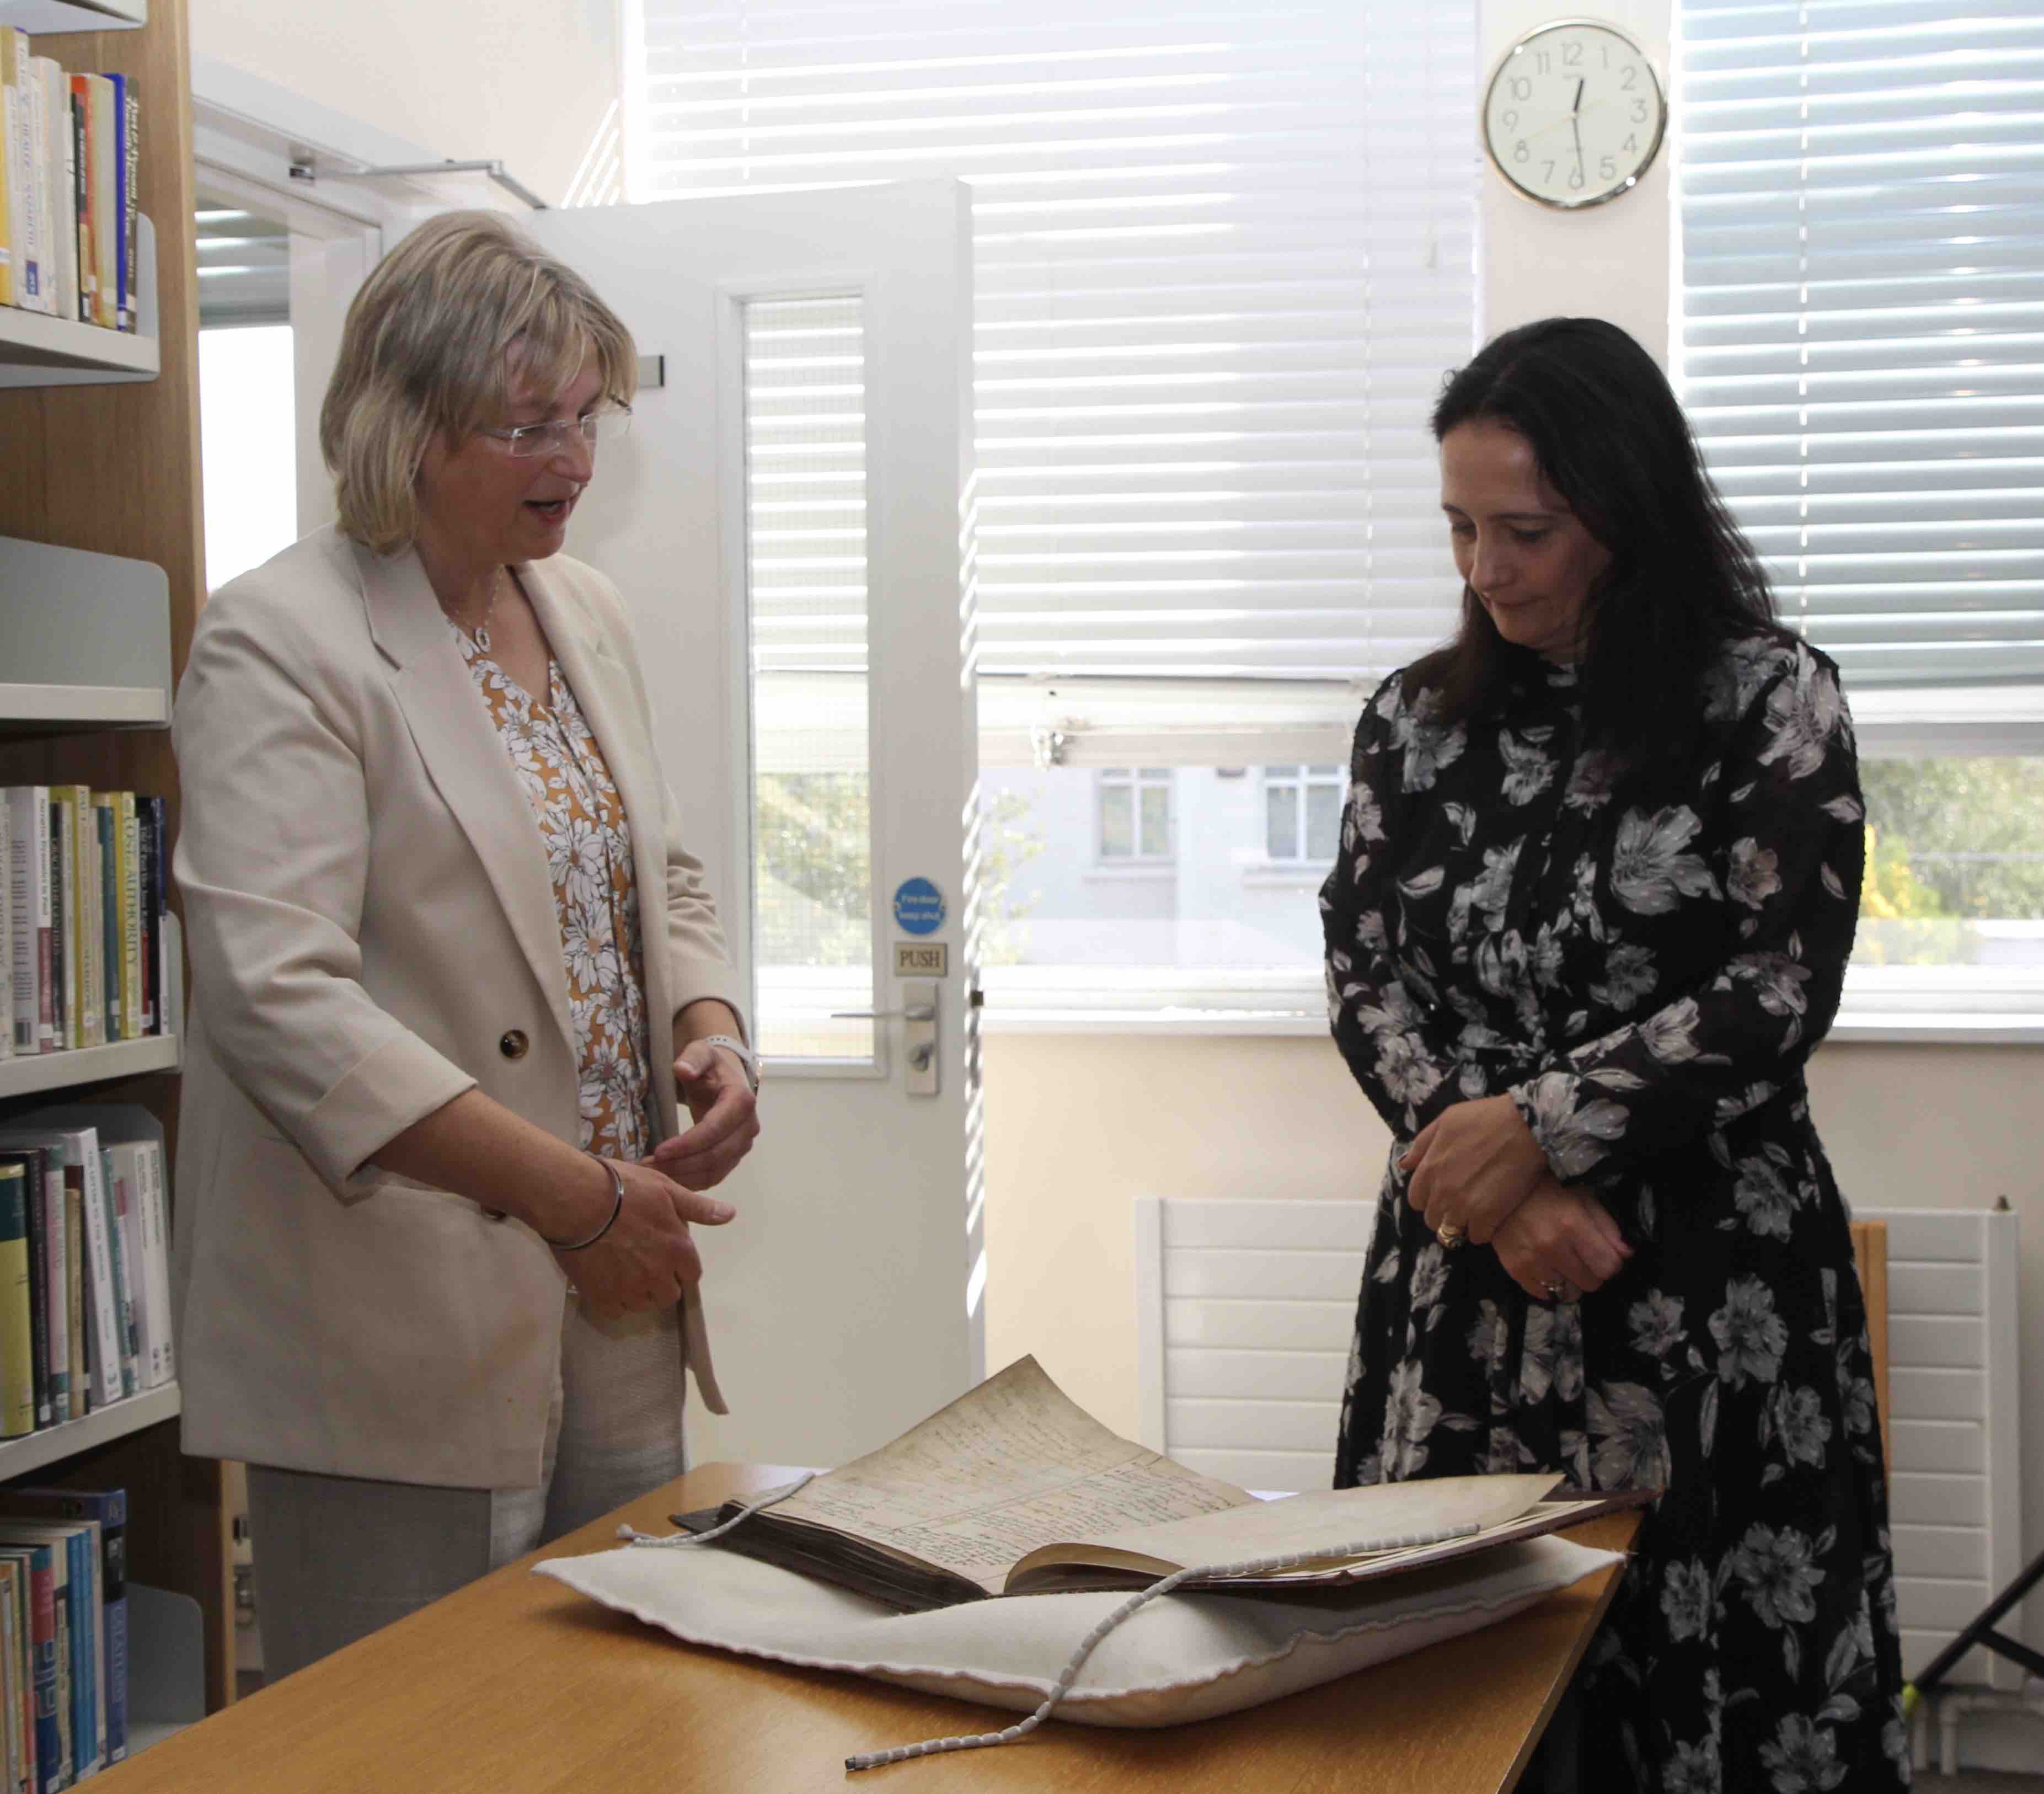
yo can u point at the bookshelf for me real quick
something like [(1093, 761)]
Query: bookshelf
[(39, 351), (101, 574)]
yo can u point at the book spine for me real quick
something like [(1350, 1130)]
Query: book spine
[(88, 1724), (131, 164), (13, 174), (12, 1677), (146, 863), (7, 931), (74, 1274), (105, 1346), (35, 161), (63, 946), (9, 198), (18, 1389), (28, 944), (43, 1636), (131, 915), (81, 129), (39, 1268), (66, 1723), (124, 1171), (56, 1282), (122, 178), (63, 220), (91, 950), (156, 1260), (106, 203), (158, 910), (106, 822), (115, 1195)]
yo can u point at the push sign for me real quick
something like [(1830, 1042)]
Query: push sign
[(919, 906)]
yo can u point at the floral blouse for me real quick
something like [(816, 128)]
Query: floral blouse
[(589, 851), (1643, 969)]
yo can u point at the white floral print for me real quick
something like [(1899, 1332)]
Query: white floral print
[(1642, 957)]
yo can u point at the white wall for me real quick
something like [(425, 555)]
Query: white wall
[(526, 82), (1608, 261)]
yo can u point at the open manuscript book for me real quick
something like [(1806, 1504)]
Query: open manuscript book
[(1014, 1490)]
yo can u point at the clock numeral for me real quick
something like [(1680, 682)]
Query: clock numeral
[(1631, 144), (1572, 55), (1510, 120), (1522, 89), (1607, 169), (1547, 179), (1519, 151), (1628, 77), (1543, 63), (1606, 49), (1639, 112), (1576, 177)]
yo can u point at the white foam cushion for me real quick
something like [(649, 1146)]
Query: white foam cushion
[(1183, 1657)]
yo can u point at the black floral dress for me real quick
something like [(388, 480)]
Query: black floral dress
[(1645, 979)]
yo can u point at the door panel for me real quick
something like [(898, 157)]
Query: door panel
[(788, 523)]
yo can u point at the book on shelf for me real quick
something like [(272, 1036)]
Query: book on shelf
[(1014, 1489), (17, 1719), (98, 1254), (37, 1565), (105, 1510), (83, 934), (69, 169), (82, 1623), (17, 1387)]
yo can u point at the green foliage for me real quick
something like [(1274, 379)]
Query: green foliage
[(1009, 842), (1955, 838)]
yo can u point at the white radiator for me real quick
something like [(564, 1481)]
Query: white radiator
[(1245, 1311)]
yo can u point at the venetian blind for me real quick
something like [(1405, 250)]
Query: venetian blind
[(1223, 257), (1863, 343)]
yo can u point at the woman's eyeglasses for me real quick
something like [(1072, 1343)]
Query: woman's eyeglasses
[(531, 440)]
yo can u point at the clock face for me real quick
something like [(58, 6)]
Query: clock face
[(1574, 115)]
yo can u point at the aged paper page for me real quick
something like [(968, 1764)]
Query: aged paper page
[(1013, 1465)]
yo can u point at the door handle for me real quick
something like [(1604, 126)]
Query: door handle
[(915, 1012)]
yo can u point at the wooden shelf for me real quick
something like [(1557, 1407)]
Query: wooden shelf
[(36, 350), (19, 1456), (47, 710), (33, 15)]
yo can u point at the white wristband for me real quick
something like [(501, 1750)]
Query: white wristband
[(744, 1054)]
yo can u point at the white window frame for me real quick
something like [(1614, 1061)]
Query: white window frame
[(1135, 780), (1301, 777)]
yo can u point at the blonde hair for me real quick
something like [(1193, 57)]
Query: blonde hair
[(462, 308)]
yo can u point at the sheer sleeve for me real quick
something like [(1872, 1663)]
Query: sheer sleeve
[(1788, 865), (1386, 1016)]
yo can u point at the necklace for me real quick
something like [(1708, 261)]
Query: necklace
[(480, 634)]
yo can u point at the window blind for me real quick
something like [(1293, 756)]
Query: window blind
[(1862, 349), (1223, 257)]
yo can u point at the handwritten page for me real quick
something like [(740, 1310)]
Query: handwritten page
[(1329, 1521), (1013, 1465)]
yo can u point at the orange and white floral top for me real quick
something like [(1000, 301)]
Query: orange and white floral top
[(588, 840)]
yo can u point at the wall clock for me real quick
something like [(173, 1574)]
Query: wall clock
[(1573, 115)]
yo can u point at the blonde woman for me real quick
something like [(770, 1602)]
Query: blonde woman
[(454, 977)]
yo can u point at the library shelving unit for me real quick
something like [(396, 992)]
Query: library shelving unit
[(101, 575)]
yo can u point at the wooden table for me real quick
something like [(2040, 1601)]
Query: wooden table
[(517, 1685)]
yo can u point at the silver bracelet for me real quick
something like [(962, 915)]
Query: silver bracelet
[(610, 1221)]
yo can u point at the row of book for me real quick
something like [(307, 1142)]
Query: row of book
[(67, 212), (63, 1634), (84, 947), (85, 1263)]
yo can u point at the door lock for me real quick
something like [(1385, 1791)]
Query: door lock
[(918, 1016)]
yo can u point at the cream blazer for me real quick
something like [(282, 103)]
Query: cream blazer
[(372, 931)]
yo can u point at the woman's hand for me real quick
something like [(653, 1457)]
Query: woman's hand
[(1560, 1235), (1473, 1166), (648, 1258), (713, 1084)]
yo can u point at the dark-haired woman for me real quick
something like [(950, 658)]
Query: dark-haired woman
[(1598, 879)]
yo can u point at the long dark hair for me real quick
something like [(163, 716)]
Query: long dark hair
[(1608, 436)]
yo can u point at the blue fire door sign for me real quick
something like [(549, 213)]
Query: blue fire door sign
[(919, 906)]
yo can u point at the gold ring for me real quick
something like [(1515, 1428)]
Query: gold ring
[(1451, 1234), (1557, 1289)]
